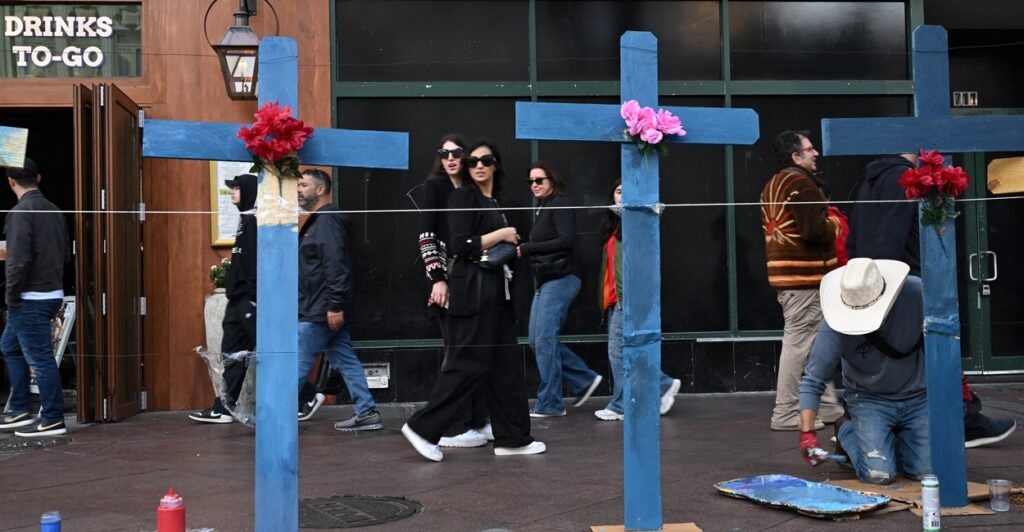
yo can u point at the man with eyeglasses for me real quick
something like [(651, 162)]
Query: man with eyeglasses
[(799, 239)]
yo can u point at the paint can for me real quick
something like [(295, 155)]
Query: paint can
[(49, 522), (930, 503)]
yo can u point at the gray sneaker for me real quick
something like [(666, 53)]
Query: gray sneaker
[(367, 421)]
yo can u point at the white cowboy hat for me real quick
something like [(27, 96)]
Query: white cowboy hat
[(856, 298)]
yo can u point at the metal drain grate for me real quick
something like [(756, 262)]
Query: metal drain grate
[(353, 511), (14, 444)]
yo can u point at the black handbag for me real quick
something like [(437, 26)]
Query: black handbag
[(497, 256)]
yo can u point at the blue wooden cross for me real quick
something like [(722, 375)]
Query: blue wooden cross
[(277, 472), (932, 127), (641, 251)]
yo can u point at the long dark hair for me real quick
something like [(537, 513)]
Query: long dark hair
[(612, 222), (437, 171), (499, 171), (558, 187)]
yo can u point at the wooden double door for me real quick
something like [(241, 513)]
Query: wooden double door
[(108, 252)]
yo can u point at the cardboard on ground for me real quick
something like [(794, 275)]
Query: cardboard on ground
[(13, 141), (1006, 175)]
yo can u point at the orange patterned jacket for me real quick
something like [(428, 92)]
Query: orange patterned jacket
[(799, 234)]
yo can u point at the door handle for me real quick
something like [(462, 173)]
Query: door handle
[(995, 266), (970, 266)]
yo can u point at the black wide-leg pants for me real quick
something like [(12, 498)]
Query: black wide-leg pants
[(484, 355)]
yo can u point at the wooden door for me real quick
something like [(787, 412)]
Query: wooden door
[(108, 196), (122, 184)]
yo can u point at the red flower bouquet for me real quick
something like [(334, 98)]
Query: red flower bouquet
[(935, 186), (274, 138)]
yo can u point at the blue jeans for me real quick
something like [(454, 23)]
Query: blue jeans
[(884, 437), (316, 338), (556, 362), (617, 364), (26, 344)]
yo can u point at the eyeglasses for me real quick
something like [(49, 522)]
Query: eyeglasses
[(487, 160), (536, 180), (807, 149), (457, 153)]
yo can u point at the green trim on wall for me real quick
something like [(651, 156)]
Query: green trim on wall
[(534, 89)]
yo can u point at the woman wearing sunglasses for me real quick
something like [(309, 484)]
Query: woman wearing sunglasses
[(611, 303), (448, 173), (550, 249), (480, 321)]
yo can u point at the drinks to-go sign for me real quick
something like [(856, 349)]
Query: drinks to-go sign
[(59, 39), (71, 55)]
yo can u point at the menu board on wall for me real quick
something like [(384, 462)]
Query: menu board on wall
[(224, 217)]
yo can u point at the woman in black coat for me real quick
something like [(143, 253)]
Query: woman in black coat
[(480, 321), (550, 250), (471, 429)]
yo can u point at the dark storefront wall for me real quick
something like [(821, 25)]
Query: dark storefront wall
[(851, 61)]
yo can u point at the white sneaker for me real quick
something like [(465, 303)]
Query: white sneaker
[(470, 438), (534, 413), (536, 447), (588, 392), (426, 449), (669, 398), (487, 432), (608, 415)]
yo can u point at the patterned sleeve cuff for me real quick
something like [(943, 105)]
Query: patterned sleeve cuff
[(435, 257)]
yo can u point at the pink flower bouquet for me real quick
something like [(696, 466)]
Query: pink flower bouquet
[(648, 128)]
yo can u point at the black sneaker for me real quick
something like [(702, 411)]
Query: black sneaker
[(43, 428), (210, 415), (13, 421), (306, 410), (367, 421), (986, 431)]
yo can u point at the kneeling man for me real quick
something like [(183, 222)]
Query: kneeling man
[(873, 318)]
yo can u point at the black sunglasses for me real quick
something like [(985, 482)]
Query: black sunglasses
[(487, 160), (535, 180), (457, 153)]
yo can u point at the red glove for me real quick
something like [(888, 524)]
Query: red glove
[(809, 449)]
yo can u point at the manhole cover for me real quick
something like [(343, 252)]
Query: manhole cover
[(353, 511), (15, 444)]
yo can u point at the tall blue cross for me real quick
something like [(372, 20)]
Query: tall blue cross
[(933, 127), (277, 472), (641, 251)]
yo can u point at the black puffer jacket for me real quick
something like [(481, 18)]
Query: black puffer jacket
[(885, 230), (324, 264)]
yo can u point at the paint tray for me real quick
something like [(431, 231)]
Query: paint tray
[(815, 499)]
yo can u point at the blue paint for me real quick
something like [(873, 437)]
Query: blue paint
[(277, 337), (784, 491), (175, 139), (276, 485), (603, 123), (961, 134), (641, 263), (933, 127)]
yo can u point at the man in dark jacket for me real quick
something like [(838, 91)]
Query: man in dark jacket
[(324, 283), (37, 249), (890, 231), (240, 315), (885, 230)]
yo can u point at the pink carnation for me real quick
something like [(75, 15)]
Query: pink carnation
[(651, 135), (630, 112), (669, 124)]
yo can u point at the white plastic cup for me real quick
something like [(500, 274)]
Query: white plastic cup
[(999, 494)]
